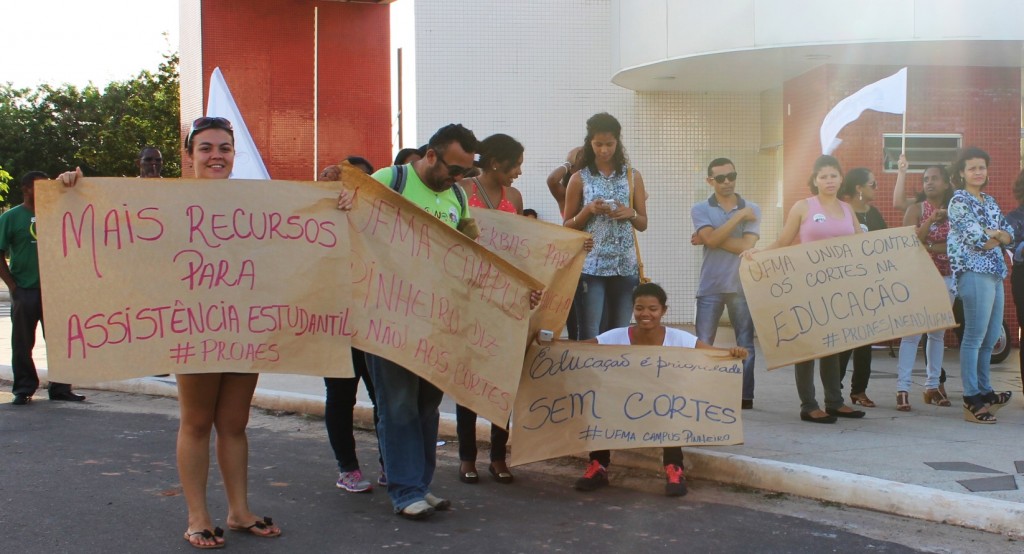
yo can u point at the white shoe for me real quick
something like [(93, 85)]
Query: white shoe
[(437, 503), (417, 510)]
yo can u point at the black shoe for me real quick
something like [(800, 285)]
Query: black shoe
[(67, 396), (21, 399), (855, 414), (804, 416), (747, 404)]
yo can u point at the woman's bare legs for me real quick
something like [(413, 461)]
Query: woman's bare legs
[(197, 399), (232, 416)]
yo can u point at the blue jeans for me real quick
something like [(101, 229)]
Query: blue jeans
[(407, 431), (709, 313), (605, 303), (934, 350), (982, 295)]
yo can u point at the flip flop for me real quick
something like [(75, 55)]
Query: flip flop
[(258, 527), (206, 534)]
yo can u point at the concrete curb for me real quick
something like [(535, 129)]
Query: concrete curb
[(995, 516)]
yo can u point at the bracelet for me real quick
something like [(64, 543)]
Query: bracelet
[(635, 214)]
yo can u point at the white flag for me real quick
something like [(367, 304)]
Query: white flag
[(248, 163), (888, 95)]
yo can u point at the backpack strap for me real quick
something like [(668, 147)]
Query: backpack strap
[(399, 176), (460, 195)]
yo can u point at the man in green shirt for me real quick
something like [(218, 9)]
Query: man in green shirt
[(18, 239)]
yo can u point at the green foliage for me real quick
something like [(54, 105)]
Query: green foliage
[(5, 178), (54, 129)]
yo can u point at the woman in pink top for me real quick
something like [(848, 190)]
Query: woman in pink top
[(501, 159), (821, 216)]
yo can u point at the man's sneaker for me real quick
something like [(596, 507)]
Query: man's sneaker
[(353, 481), (595, 477), (21, 399), (417, 510), (437, 503), (676, 485)]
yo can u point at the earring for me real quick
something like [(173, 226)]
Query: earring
[(860, 196)]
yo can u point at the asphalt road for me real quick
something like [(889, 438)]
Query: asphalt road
[(101, 477)]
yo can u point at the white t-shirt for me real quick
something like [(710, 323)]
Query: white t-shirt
[(673, 337)]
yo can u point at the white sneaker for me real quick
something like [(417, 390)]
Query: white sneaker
[(437, 503), (417, 510)]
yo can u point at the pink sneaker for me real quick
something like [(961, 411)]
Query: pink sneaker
[(353, 481)]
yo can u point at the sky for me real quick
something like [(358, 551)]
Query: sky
[(78, 41)]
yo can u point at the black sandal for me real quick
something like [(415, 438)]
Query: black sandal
[(996, 400), (973, 413)]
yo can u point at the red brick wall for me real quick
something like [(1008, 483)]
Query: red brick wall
[(981, 103), (265, 48)]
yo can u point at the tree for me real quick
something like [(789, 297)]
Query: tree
[(5, 178), (53, 129)]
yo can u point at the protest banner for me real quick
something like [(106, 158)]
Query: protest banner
[(577, 397), (827, 296), (552, 254), (143, 277), (433, 301)]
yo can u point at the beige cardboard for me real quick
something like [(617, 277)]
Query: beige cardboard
[(552, 254), (827, 296), (435, 302), (141, 277), (577, 397)]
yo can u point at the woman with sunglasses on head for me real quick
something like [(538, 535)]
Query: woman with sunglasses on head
[(213, 400), (977, 234), (501, 162), (603, 200), (928, 215), (858, 190), (822, 216)]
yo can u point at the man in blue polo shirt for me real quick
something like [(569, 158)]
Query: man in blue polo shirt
[(725, 225)]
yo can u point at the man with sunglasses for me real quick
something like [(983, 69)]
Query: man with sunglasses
[(408, 404), (150, 163), (726, 225)]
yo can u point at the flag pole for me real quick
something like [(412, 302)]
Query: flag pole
[(903, 144)]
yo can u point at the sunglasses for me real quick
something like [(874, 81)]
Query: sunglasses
[(453, 170), (204, 123), (150, 159), (872, 184), (731, 177)]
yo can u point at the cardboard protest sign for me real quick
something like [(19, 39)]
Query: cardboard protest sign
[(552, 254), (577, 397), (435, 302), (827, 296), (193, 276)]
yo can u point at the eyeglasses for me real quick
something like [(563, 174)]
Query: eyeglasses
[(731, 177), (453, 170), (204, 123)]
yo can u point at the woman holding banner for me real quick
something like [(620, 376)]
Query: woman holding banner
[(977, 233), (213, 400), (858, 189), (501, 162), (606, 199), (929, 217), (649, 305), (822, 216)]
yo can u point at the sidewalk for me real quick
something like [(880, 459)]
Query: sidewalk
[(927, 463)]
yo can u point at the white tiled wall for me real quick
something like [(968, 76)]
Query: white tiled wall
[(537, 69)]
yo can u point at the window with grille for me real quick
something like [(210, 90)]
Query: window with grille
[(923, 150)]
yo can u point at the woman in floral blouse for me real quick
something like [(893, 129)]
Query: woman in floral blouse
[(977, 233), (604, 201)]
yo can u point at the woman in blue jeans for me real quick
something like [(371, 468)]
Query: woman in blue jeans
[(977, 233), (604, 201)]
